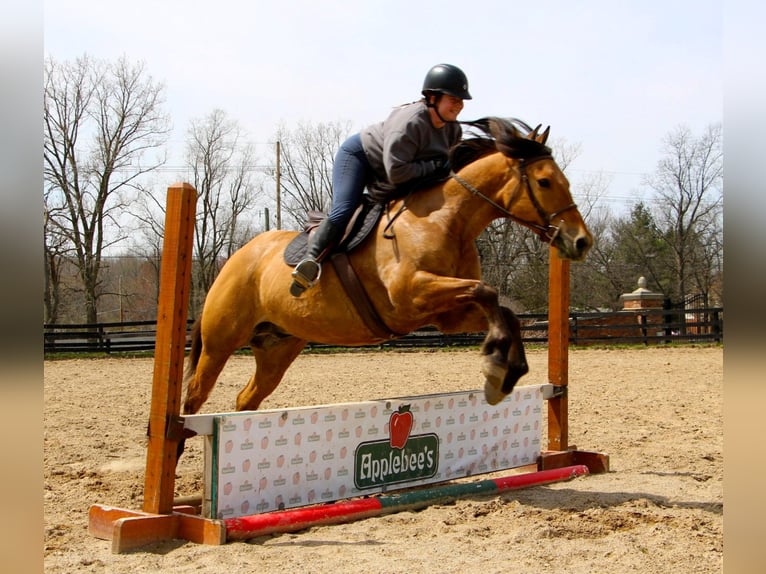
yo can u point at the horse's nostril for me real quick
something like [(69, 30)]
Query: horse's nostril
[(583, 244)]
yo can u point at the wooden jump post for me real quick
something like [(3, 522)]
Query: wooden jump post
[(160, 519), (559, 451)]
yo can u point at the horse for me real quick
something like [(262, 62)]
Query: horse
[(419, 267)]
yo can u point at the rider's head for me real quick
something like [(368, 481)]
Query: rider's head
[(445, 80)]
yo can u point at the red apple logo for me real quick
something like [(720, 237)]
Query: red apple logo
[(401, 425)]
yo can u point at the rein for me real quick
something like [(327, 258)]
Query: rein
[(547, 231)]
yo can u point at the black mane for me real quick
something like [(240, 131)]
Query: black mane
[(496, 134)]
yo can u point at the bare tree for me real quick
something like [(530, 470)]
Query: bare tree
[(688, 186), (595, 282), (100, 120), (146, 244), (54, 252), (307, 158), (224, 174)]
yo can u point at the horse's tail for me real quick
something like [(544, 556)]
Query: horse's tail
[(196, 349)]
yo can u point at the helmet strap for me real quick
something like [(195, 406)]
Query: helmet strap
[(429, 104)]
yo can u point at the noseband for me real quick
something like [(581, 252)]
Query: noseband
[(548, 231)]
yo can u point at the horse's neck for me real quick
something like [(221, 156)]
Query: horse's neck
[(471, 205)]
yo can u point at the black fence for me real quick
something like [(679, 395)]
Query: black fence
[(647, 326)]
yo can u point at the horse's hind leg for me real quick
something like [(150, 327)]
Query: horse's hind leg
[(273, 355), (198, 388), (199, 383)]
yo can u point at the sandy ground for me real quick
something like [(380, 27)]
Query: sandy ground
[(656, 412)]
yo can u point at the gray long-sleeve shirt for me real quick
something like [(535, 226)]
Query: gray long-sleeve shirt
[(405, 145)]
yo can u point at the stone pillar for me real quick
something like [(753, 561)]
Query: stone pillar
[(642, 300)]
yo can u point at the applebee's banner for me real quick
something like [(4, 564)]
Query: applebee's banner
[(275, 459)]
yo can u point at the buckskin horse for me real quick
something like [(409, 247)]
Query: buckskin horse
[(419, 266)]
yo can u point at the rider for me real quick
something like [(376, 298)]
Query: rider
[(411, 146)]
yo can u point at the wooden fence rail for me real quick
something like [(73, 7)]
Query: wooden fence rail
[(648, 327)]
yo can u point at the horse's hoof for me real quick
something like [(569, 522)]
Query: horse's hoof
[(494, 376), (493, 394)]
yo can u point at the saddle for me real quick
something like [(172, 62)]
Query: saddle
[(364, 220)]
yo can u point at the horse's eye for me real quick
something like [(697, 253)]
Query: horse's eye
[(546, 183)]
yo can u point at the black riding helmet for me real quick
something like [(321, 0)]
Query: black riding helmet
[(446, 79)]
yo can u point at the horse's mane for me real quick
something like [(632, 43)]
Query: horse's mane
[(508, 136)]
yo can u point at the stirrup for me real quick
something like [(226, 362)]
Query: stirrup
[(305, 275)]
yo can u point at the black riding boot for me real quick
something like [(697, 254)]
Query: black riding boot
[(321, 241)]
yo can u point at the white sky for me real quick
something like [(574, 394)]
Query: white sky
[(613, 76)]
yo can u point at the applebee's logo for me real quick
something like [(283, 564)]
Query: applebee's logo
[(400, 425), (400, 458)]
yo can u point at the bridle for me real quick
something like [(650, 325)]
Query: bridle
[(547, 232)]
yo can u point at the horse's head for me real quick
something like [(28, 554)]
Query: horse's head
[(524, 183)]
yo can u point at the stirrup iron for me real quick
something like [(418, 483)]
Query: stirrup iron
[(301, 279)]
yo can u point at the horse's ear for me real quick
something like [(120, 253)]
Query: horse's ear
[(544, 136), (533, 135)]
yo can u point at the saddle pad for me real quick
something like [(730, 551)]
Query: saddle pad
[(296, 249)]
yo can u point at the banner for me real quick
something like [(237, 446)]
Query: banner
[(276, 459)]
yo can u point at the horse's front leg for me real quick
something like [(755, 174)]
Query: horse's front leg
[(504, 359), (517, 360)]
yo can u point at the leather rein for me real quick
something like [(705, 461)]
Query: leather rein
[(546, 232)]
